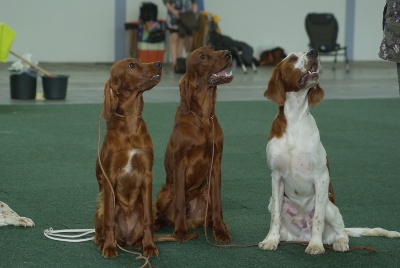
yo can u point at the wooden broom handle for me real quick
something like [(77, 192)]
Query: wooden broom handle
[(31, 64)]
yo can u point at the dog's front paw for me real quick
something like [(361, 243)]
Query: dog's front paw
[(109, 252), (315, 248), (342, 244), (269, 243), (184, 236), (222, 234), (26, 222), (150, 251)]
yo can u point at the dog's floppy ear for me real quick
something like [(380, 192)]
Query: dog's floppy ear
[(187, 85), (275, 89), (110, 100), (315, 95)]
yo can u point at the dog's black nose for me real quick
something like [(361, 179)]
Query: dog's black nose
[(227, 54), (312, 53), (158, 64)]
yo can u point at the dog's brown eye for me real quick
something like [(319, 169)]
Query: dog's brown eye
[(131, 65), (202, 56), (292, 59)]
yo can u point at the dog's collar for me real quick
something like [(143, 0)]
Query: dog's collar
[(126, 116), (196, 115)]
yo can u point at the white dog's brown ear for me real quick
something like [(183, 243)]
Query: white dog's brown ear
[(275, 89), (315, 95), (110, 101)]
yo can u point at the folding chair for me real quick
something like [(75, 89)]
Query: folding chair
[(322, 30)]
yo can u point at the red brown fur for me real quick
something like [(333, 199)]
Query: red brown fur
[(182, 201), (124, 166)]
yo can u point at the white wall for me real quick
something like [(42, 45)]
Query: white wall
[(368, 29), (83, 30), (61, 30)]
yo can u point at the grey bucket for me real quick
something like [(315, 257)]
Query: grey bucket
[(55, 86), (23, 85)]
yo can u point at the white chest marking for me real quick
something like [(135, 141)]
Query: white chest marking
[(128, 168), (299, 152)]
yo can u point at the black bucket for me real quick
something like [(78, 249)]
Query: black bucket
[(23, 85), (55, 87)]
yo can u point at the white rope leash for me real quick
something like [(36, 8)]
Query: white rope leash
[(56, 235)]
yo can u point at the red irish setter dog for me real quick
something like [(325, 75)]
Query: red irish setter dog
[(124, 165), (194, 150)]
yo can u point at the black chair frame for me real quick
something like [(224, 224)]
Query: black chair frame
[(322, 30)]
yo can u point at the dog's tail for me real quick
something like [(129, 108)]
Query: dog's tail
[(164, 238), (357, 232), (170, 238)]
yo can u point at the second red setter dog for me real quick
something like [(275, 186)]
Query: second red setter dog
[(194, 150), (124, 166)]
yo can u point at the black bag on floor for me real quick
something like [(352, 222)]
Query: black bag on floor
[(219, 42)]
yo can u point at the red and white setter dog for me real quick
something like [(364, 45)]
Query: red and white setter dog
[(124, 165), (300, 207)]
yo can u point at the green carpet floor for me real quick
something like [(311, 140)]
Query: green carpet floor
[(47, 173)]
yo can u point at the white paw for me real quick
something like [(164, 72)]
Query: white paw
[(315, 248), (26, 222), (342, 244), (269, 244)]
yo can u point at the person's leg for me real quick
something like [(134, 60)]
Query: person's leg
[(180, 46), (188, 43), (398, 74), (173, 46)]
